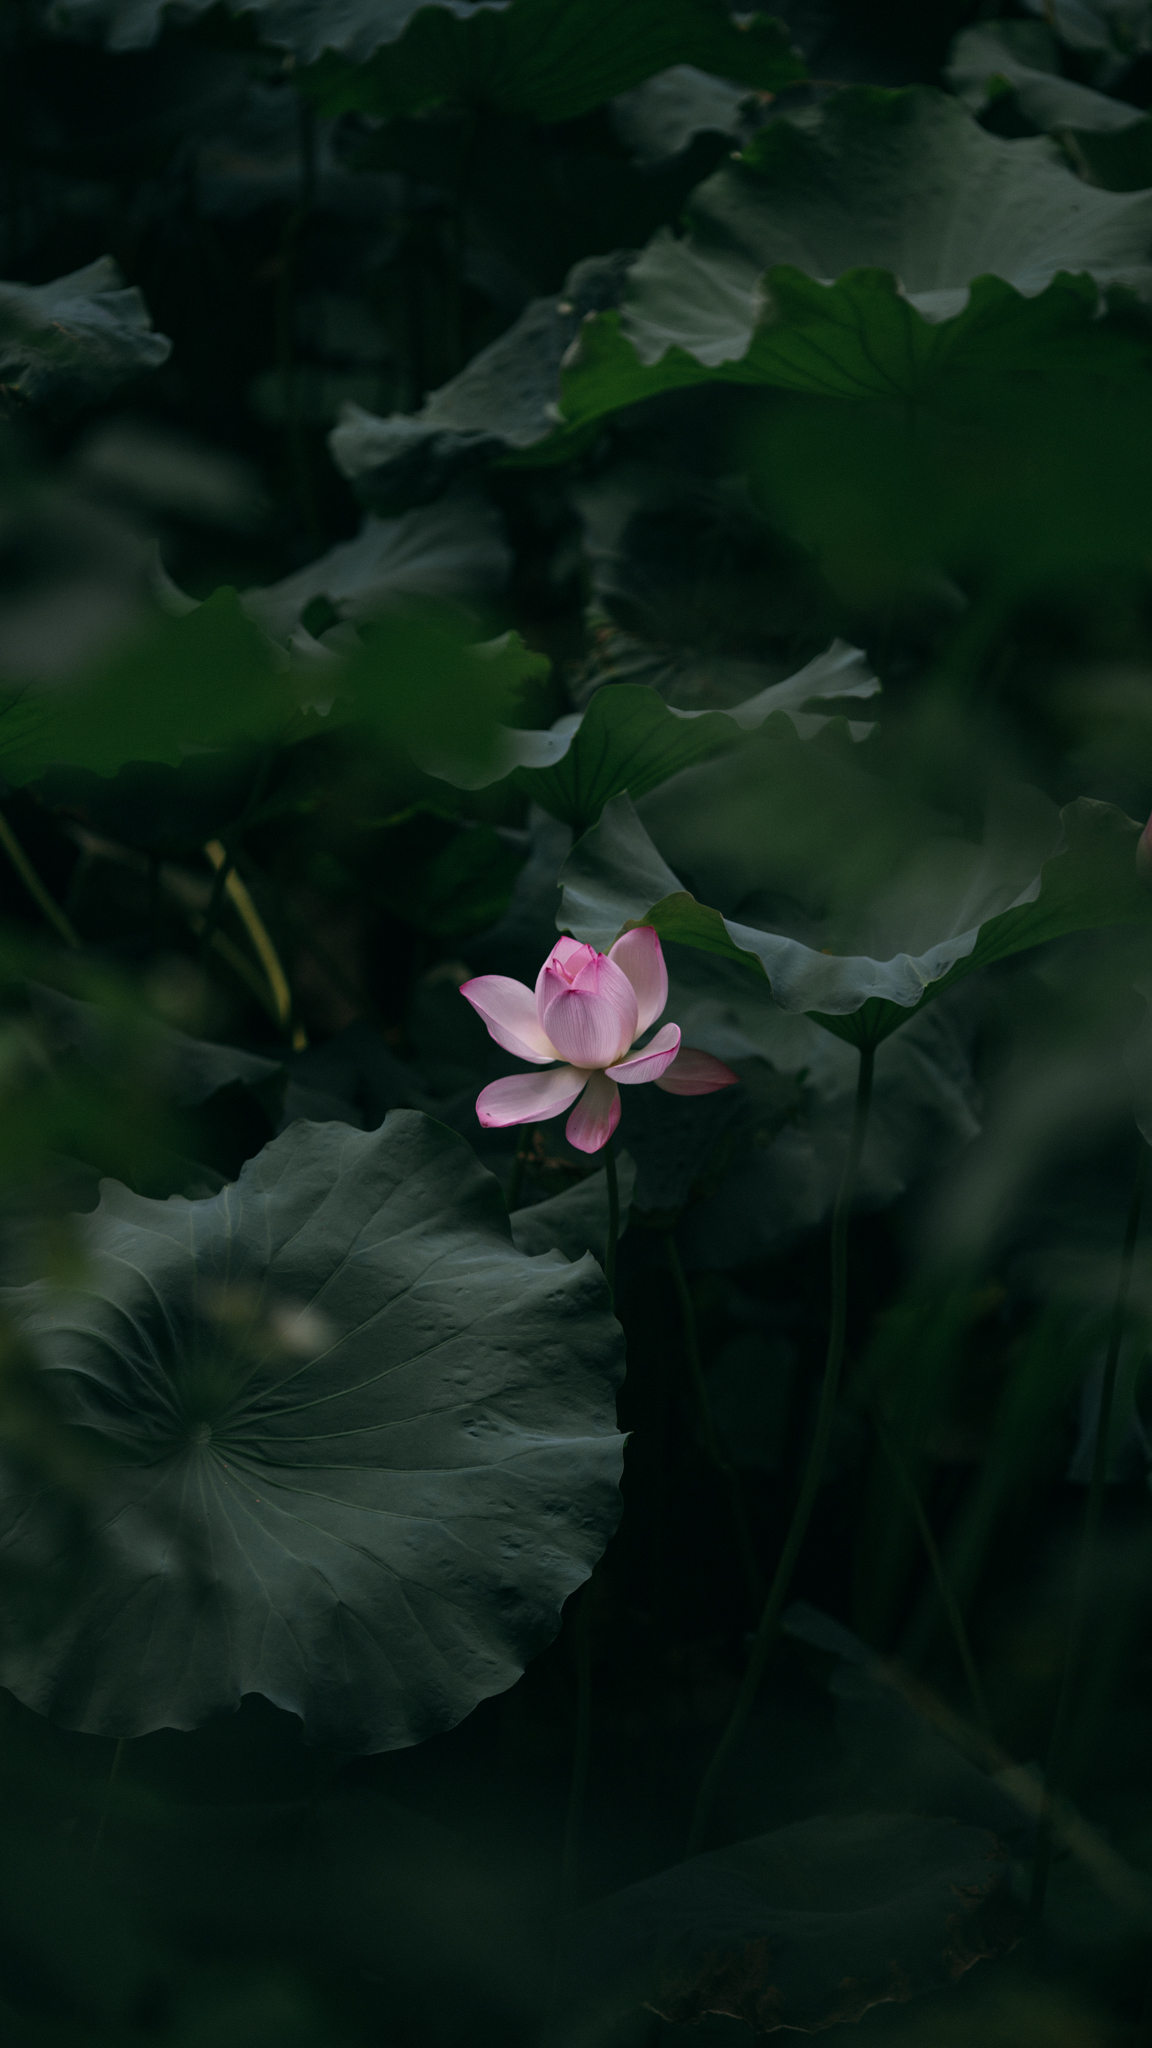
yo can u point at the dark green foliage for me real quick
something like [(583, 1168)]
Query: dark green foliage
[(554, 59), (471, 471)]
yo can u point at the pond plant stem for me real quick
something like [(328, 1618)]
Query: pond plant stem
[(228, 844), (754, 1578), (1089, 1543), (581, 1747), (117, 1760), (944, 1591), (42, 897), (613, 1218), (813, 1470)]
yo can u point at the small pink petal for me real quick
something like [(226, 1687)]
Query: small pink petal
[(641, 956), (509, 1011), (595, 1116), (696, 1073), (565, 960), (593, 1021), (528, 1098), (655, 1059)]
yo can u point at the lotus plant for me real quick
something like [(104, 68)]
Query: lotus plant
[(581, 1025)]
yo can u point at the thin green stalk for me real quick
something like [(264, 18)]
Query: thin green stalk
[(813, 1470), (1093, 1519), (613, 1218), (117, 1759), (516, 1184), (230, 841), (754, 1578), (43, 900), (946, 1595), (581, 1748)]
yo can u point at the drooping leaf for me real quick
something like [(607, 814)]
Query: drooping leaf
[(1024, 57), (1115, 28), (985, 903), (366, 1447), (503, 400), (630, 739), (661, 117), (799, 1929), (76, 339), (554, 59), (453, 549), (355, 28)]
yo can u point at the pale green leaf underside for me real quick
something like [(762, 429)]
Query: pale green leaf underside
[(615, 877)]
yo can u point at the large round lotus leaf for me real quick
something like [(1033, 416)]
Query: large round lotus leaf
[(802, 1928), (364, 1448)]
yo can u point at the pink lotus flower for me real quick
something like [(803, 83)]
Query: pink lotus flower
[(588, 1010)]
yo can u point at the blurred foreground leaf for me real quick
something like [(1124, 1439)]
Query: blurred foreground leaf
[(799, 1929)]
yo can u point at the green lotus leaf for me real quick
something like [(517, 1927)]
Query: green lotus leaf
[(109, 1036), (886, 247), (576, 1221), (355, 28), (502, 402), (207, 679), (630, 739), (955, 906), (364, 1447), (1105, 28), (660, 118), (902, 181), (76, 339), (799, 1929), (454, 549), (1024, 56), (554, 59)]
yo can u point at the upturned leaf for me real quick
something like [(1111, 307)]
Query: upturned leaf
[(554, 59), (981, 902), (365, 1447), (77, 338), (630, 739)]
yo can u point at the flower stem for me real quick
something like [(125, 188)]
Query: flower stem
[(944, 1591), (227, 846), (1093, 1518), (582, 1745), (42, 897), (117, 1760), (613, 1218), (739, 1506), (813, 1469)]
